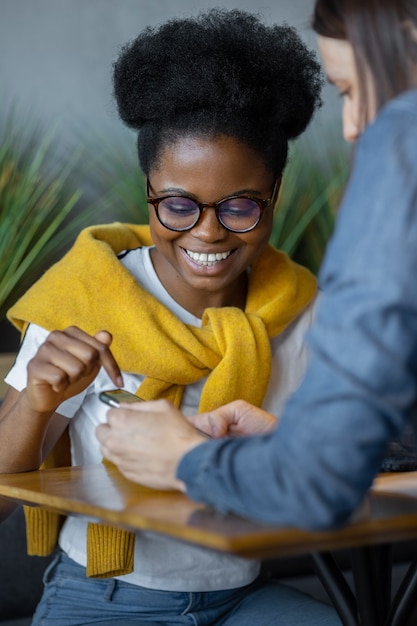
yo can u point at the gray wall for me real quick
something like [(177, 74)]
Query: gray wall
[(56, 55)]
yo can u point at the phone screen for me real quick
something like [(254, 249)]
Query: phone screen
[(114, 397)]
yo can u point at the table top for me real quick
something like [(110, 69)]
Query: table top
[(101, 492)]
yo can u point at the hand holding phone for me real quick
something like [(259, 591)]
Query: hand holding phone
[(114, 397)]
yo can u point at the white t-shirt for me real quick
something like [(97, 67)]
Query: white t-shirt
[(159, 561)]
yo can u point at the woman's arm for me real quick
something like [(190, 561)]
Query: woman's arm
[(361, 384), (26, 438), (64, 365)]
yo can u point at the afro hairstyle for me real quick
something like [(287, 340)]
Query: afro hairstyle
[(223, 72)]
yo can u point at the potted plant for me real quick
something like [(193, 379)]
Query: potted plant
[(40, 210), (312, 185)]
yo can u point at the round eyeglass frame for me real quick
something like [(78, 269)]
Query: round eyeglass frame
[(262, 204)]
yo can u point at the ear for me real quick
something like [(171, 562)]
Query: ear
[(277, 187)]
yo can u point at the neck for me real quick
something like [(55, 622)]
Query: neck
[(197, 298), (197, 301)]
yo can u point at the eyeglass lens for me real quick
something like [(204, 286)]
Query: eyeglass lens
[(182, 213)]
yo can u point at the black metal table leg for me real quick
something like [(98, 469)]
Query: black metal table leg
[(382, 576), (371, 568), (370, 603), (404, 606), (336, 587)]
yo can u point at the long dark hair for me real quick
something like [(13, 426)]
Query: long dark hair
[(383, 34)]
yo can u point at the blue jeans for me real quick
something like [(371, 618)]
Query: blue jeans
[(71, 599)]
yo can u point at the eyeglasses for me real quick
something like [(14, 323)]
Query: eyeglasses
[(239, 214)]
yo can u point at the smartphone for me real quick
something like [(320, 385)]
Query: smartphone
[(114, 397)]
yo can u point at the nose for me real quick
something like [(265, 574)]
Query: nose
[(208, 227), (351, 129)]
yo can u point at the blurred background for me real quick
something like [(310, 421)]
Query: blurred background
[(56, 55)]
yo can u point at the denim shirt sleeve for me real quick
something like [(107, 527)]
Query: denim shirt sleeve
[(361, 384)]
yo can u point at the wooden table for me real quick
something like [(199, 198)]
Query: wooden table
[(388, 516)]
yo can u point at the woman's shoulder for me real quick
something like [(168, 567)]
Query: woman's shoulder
[(406, 101), (397, 117)]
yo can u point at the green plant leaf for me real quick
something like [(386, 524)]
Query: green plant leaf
[(40, 209), (312, 185)]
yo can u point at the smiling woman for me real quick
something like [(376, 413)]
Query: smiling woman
[(198, 307), (185, 260)]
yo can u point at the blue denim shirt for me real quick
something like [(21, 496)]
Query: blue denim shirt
[(361, 385)]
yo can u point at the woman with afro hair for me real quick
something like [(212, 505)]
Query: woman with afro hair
[(197, 308)]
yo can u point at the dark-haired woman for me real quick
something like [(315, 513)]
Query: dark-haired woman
[(199, 310), (360, 389)]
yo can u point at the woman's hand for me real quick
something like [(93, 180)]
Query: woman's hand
[(66, 364), (147, 440), (234, 419)]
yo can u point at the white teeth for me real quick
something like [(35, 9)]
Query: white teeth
[(208, 259)]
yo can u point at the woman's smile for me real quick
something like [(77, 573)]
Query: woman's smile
[(208, 259)]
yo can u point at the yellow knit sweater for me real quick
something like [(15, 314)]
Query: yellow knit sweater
[(231, 349)]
